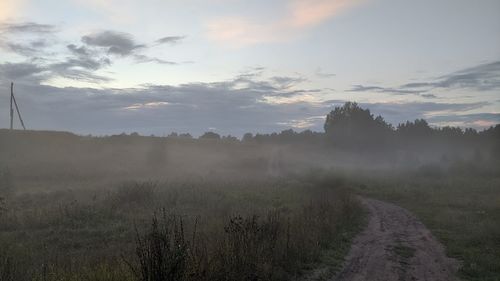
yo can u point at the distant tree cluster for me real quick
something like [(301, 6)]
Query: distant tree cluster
[(286, 137), (352, 127)]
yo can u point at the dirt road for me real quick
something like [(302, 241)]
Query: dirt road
[(396, 246)]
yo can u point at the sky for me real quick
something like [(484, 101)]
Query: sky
[(232, 66)]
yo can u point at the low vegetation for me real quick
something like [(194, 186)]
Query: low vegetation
[(198, 230)]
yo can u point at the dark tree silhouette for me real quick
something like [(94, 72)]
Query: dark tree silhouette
[(247, 137), (210, 135), (351, 125), (417, 128)]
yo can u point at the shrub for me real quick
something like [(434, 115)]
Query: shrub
[(275, 246), (163, 251)]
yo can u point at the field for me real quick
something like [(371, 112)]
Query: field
[(148, 208), (124, 218)]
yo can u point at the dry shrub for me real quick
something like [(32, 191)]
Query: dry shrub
[(275, 246)]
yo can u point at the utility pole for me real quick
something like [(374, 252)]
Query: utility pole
[(13, 99), (11, 108)]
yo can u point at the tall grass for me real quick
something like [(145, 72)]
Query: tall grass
[(192, 230)]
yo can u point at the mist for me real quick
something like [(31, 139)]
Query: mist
[(290, 140)]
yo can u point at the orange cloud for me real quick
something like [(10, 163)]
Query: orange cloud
[(9, 9), (301, 14), (484, 123), (311, 12)]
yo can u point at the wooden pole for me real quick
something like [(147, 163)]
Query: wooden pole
[(11, 108), (17, 108)]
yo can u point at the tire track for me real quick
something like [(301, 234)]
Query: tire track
[(396, 246)]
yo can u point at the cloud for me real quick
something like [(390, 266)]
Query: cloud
[(123, 44), (285, 82), (79, 62), (156, 104), (395, 112), (398, 91), (305, 123), (116, 43), (33, 73), (147, 59), (27, 39), (312, 12), (170, 40), (478, 120), (319, 73), (26, 50), (79, 51), (159, 109), (299, 15), (429, 96), (27, 27), (78, 70), (483, 77), (28, 72), (235, 106)]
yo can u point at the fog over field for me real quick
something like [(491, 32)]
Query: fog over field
[(274, 206), (207, 140)]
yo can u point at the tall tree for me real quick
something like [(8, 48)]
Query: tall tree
[(351, 125)]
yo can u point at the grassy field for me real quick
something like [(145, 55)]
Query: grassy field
[(148, 208), (461, 206), (194, 229)]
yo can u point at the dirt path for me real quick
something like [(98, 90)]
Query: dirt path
[(396, 246)]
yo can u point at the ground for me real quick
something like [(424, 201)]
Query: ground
[(396, 246)]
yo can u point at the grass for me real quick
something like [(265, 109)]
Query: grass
[(78, 208), (197, 229), (333, 257), (461, 209)]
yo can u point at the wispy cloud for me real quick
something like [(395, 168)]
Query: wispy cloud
[(170, 40), (79, 61), (321, 74), (377, 89), (477, 120), (26, 27), (27, 39), (147, 59), (300, 15), (117, 43), (483, 77)]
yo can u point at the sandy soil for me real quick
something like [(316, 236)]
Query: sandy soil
[(396, 246)]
